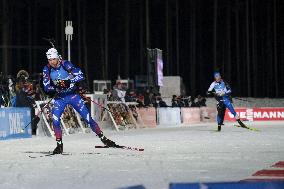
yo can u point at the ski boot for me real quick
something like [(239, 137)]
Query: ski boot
[(219, 128), (59, 147), (107, 142)]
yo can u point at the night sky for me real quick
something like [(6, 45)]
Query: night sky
[(241, 38)]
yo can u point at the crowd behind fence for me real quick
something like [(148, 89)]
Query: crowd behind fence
[(147, 97), (25, 90), (30, 86)]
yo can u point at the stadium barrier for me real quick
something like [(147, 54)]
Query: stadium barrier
[(168, 116), (208, 114), (12, 121), (127, 116), (148, 116), (231, 185), (190, 115), (257, 114), (174, 116)]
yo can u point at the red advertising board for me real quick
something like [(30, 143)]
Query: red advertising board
[(257, 114)]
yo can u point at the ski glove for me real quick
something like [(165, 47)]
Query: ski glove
[(63, 84), (81, 90), (222, 94), (210, 93)]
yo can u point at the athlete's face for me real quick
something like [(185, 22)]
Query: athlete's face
[(218, 77), (53, 62)]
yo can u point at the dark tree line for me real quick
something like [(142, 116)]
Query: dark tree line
[(241, 38)]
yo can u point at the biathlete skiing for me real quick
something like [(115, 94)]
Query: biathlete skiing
[(61, 78), (222, 92)]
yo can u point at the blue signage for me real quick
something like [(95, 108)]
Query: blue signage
[(231, 185), (12, 121)]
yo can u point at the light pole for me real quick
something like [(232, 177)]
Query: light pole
[(68, 34)]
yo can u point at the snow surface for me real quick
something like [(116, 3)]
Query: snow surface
[(177, 154)]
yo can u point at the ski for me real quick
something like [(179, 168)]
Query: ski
[(48, 154), (246, 127), (121, 147)]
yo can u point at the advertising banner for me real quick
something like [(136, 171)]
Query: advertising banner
[(257, 114), (148, 116), (208, 114), (169, 116), (234, 185), (12, 121), (190, 115)]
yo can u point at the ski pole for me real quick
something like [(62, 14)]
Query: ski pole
[(41, 110), (87, 98)]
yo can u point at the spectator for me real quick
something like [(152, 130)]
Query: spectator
[(180, 102), (185, 101), (175, 101), (193, 102), (201, 101), (154, 100), (24, 98), (150, 98), (38, 93), (105, 91), (160, 102), (130, 96), (119, 92), (140, 100), (108, 93), (147, 98)]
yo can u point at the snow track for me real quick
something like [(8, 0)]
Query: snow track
[(180, 154)]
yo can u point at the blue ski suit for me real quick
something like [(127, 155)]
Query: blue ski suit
[(66, 71), (222, 92)]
